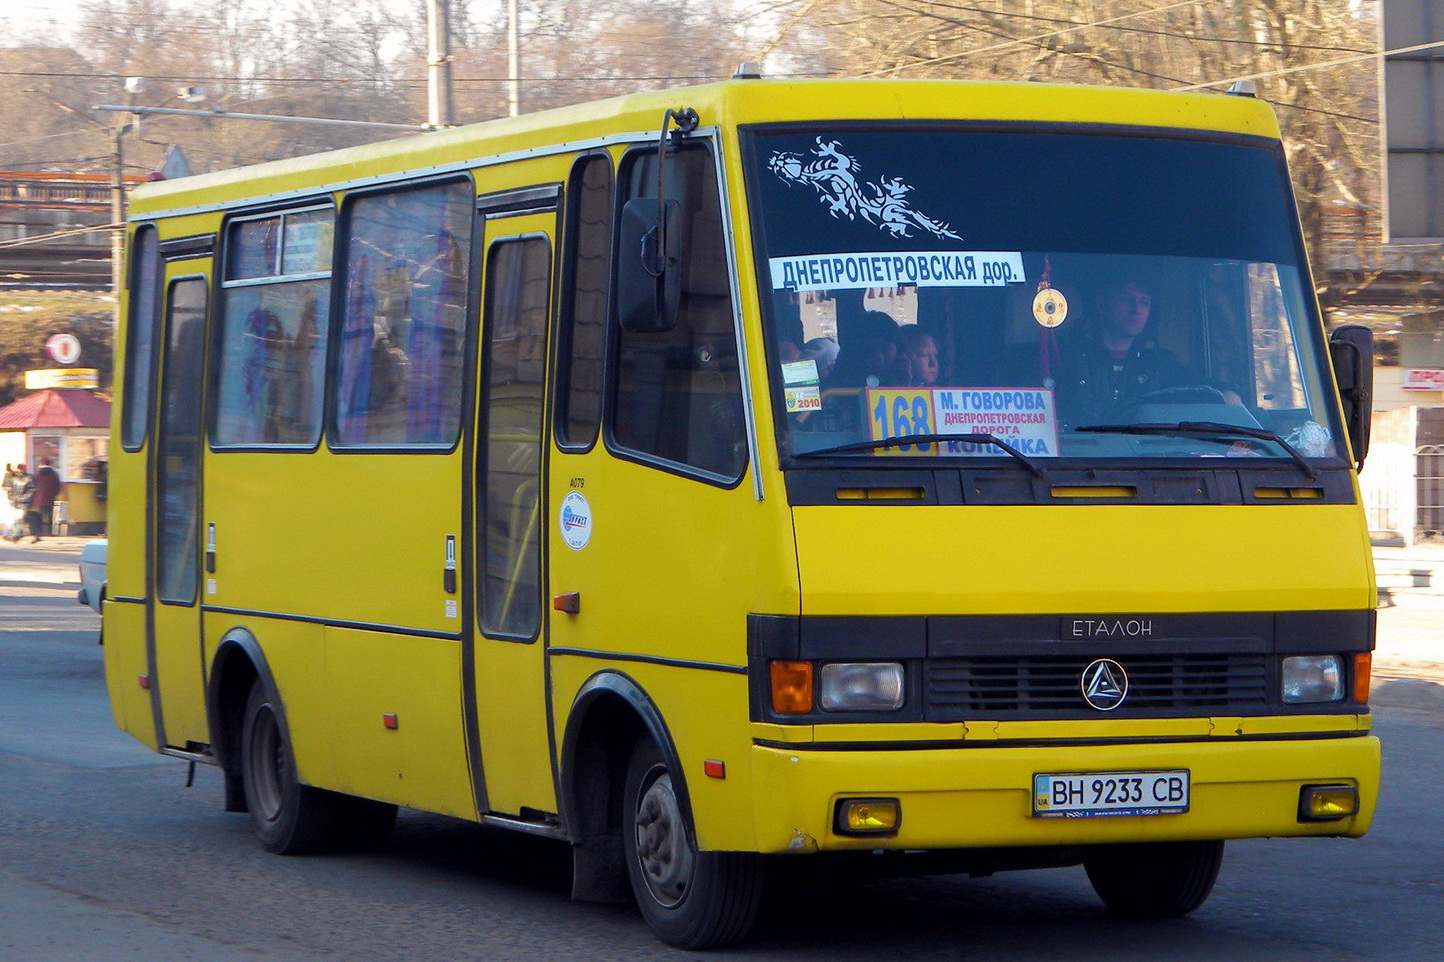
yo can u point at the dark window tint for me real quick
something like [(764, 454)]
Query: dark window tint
[(177, 462), (399, 378), (582, 324), (517, 283), (272, 336), (678, 393), (140, 335)]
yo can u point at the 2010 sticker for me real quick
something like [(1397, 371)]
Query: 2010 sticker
[(575, 519)]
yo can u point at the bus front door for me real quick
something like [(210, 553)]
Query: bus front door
[(513, 771), (173, 628)]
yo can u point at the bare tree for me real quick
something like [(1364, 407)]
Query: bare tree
[(1329, 114)]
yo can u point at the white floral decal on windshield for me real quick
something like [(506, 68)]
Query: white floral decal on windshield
[(834, 175)]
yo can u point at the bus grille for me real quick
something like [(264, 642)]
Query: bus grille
[(1157, 683)]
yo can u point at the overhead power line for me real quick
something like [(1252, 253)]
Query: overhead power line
[(1034, 38), (1102, 24), (1432, 45), (56, 235)]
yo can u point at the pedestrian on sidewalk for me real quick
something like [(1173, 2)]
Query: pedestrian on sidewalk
[(22, 499), (47, 489)]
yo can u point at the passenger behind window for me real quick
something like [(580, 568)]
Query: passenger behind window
[(822, 351), (868, 354), (918, 351), (1112, 362)]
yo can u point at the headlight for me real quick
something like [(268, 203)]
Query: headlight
[(1311, 678), (862, 686)]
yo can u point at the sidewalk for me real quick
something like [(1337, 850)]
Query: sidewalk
[(52, 561), (1417, 569)]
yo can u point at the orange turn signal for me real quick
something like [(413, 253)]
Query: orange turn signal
[(1363, 665), (791, 687)]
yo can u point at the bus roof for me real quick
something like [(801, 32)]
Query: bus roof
[(726, 104)]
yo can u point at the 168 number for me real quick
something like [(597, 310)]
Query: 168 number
[(910, 415)]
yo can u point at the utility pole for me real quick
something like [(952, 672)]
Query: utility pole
[(441, 106), (117, 210), (513, 61)]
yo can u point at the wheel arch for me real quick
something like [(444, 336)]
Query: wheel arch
[(238, 664), (610, 712)]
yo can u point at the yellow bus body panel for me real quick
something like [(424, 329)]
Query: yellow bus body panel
[(354, 538), (126, 667), (1082, 560), (421, 762)]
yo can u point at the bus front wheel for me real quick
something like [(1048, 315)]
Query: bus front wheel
[(1154, 880), (690, 899)]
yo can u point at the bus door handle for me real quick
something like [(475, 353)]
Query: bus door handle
[(448, 569), (211, 548)]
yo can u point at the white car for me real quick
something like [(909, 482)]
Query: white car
[(92, 574)]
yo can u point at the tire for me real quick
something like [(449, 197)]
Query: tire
[(1155, 880), (289, 818), (690, 899)]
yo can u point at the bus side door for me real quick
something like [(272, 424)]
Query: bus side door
[(514, 770), (173, 627)]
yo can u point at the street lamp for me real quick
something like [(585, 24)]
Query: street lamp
[(133, 86)]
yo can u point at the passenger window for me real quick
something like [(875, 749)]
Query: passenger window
[(399, 370), (272, 338), (678, 393), (518, 281), (141, 329), (581, 323)]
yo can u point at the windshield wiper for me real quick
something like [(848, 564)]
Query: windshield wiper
[(1218, 429), (906, 439)]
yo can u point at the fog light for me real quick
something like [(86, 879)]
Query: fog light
[(1327, 803), (862, 686), (1312, 678), (868, 816)]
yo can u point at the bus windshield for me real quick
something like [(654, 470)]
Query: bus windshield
[(993, 293)]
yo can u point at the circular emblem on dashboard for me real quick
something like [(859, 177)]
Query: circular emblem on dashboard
[(1104, 684)]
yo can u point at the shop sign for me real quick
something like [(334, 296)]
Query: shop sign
[(85, 378), (63, 349), (1423, 379)]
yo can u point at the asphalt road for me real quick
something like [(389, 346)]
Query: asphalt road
[(105, 854)]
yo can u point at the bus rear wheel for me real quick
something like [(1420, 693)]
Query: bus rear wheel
[(690, 899), (1154, 880), (291, 818)]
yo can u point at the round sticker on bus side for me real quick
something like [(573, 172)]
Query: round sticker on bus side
[(576, 520)]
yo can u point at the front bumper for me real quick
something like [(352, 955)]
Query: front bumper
[(966, 797)]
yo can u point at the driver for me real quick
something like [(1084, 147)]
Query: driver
[(1114, 362)]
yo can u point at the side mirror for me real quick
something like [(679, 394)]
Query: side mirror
[(649, 277), (1351, 348)]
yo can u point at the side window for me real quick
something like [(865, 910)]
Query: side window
[(399, 370), (271, 361), (141, 330), (518, 276), (177, 463), (582, 318), (678, 394)]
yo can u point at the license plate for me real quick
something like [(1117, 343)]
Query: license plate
[(1087, 794)]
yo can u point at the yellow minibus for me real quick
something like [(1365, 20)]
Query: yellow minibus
[(957, 476)]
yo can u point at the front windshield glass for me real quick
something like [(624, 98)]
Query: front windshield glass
[(1068, 295)]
